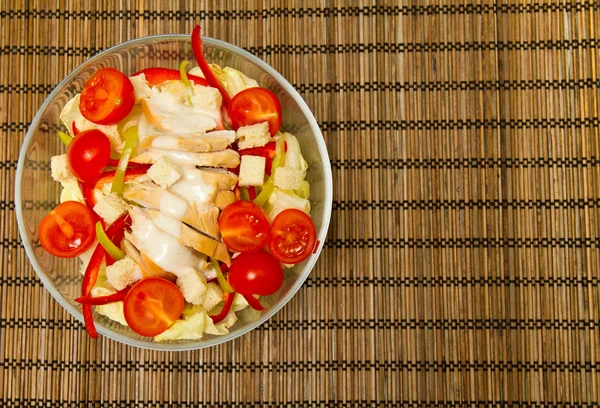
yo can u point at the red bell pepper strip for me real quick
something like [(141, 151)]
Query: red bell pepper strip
[(88, 197), (254, 302), (103, 300), (114, 232), (116, 239), (228, 298), (131, 165), (107, 178), (212, 80), (88, 319), (156, 76), (89, 280), (267, 151), (91, 271), (75, 130), (316, 248), (252, 192)]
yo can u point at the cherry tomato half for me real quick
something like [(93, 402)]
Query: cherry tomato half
[(68, 230), (244, 227), (152, 305), (88, 154), (293, 236), (107, 97), (255, 273), (255, 105)]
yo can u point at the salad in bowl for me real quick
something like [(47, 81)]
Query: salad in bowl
[(184, 198)]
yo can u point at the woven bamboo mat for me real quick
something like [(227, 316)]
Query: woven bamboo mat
[(463, 260)]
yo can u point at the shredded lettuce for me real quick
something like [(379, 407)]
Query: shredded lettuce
[(191, 327), (232, 80), (221, 327), (239, 303), (282, 200), (196, 322), (293, 155), (71, 192), (304, 190), (113, 311)]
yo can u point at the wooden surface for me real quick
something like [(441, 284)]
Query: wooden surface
[(463, 261)]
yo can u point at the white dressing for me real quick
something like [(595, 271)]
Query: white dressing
[(167, 108), (165, 142), (169, 225), (193, 188), (162, 248), (172, 205)]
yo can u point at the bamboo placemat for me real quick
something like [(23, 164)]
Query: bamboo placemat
[(463, 261)]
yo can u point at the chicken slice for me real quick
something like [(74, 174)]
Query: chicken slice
[(198, 241), (196, 143), (202, 217), (222, 158), (224, 198), (148, 267)]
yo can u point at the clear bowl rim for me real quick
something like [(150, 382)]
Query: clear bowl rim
[(308, 267)]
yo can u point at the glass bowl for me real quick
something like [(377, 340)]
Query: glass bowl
[(36, 193)]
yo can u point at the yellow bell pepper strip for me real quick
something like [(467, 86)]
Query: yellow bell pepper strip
[(244, 195), (131, 137), (222, 281), (269, 186), (183, 73), (111, 249), (66, 139), (185, 80)]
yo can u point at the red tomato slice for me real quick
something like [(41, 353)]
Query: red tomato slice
[(152, 305), (156, 76), (255, 105), (244, 227), (293, 236), (68, 230), (88, 154), (255, 273), (107, 97)]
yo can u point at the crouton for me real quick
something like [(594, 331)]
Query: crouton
[(252, 171), (206, 97), (141, 88), (110, 208), (60, 169), (122, 273), (253, 135), (212, 297), (164, 172), (192, 285)]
